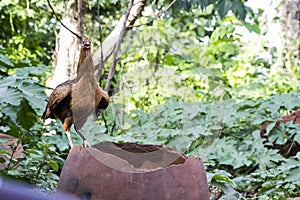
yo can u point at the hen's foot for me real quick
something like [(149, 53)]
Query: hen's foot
[(86, 144)]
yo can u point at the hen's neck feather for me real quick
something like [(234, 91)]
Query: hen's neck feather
[(85, 64)]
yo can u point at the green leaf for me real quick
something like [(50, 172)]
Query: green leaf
[(26, 116), (53, 164), (294, 175), (34, 153), (2, 160), (5, 61), (10, 95), (230, 193), (221, 178), (270, 127), (3, 152), (14, 89), (227, 47), (239, 9), (261, 119), (34, 94), (223, 7), (252, 27), (203, 3), (169, 60), (297, 137)]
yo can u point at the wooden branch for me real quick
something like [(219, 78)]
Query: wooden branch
[(112, 69), (99, 69), (110, 42), (157, 15), (80, 17), (57, 18)]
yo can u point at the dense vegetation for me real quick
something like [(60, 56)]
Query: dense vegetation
[(189, 80)]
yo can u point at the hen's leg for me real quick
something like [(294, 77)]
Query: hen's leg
[(85, 142), (66, 126), (69, 138)]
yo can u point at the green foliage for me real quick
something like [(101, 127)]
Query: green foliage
[(208, 97), (22, 101), (187, 80), (221, 6), (25, 25), (39, 165), (225, 134)]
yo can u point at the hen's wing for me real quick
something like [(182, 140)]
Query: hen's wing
[(102, 101), (57, 97)]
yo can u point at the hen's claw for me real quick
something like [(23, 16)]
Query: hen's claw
[(86, 144)]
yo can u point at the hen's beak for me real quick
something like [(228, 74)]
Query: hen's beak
[(86, 43)]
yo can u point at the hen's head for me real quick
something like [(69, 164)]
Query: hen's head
[(86, 44)]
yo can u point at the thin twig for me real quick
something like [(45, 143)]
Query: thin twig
[(109, 43), (112, 69), (101, 66), (113, 127), (105, 122), (155, 17), (57, 18), (13, 147)]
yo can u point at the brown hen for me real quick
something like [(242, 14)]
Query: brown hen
[(73, 101)]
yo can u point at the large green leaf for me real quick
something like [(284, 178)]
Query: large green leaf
[(294, 175), (223, 7), (10, 95), (13, 89), (35, 95), (25, 115), (4, 61), (239, 9)]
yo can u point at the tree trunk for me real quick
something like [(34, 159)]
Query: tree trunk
[(291, 36), (67, 46)]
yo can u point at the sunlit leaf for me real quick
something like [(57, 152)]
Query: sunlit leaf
[(5, 61), (270, 127), (2, 160), (294, 175), (221, 178), (223, 7), (53, 164)]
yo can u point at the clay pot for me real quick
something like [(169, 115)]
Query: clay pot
[(131, 171)]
